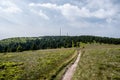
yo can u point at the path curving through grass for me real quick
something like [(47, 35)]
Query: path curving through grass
[(69, 73)]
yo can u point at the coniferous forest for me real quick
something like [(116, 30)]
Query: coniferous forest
[(20, 44)]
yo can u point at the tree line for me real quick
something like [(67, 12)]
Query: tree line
[(49, 42)]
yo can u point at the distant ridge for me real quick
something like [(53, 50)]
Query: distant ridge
[(44, 42)]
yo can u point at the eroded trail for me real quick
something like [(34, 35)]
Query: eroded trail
[(69, 73)]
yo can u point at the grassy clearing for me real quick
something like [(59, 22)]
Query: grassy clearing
[(34, 65), (99, 62)]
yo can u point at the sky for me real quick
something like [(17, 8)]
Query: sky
[(32, 18)]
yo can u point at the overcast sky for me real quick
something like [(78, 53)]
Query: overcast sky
[(45, 17)]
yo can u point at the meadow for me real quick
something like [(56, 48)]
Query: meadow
[(99, 62), (35, 65)]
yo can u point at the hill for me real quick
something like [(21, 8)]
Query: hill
[(47, 42)]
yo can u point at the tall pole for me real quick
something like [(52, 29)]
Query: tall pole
[(60, 31)]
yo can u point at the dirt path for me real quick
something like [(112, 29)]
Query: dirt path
[(69, 73)]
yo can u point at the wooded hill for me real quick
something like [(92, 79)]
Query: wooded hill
[(47, 42)]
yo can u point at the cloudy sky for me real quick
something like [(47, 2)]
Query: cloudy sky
[(45, 17)]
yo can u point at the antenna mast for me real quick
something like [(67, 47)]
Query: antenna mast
[(60, 31)]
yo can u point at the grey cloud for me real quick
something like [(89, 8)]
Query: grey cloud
[(76, 17)]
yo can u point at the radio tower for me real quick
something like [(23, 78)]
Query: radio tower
[(60, 31)]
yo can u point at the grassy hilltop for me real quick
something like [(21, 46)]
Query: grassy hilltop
[(35, 59)]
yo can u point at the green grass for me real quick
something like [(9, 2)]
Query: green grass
[(99, 62), (34, 65)]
